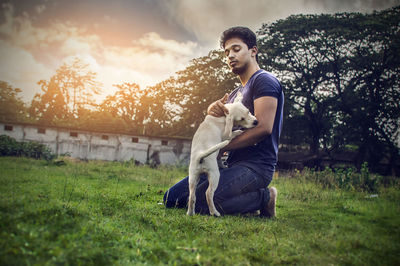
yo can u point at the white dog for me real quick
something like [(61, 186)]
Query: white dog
[(213, 134)]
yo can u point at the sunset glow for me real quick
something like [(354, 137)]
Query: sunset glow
[(141, 42), (34, 52)]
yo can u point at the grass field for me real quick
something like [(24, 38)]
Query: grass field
[(109, 213)]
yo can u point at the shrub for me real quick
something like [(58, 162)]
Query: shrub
[(10, 147), (349, 179)]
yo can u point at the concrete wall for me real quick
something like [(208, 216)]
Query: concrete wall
[(103, 146)]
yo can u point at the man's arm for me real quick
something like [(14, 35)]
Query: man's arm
[(264, 110)]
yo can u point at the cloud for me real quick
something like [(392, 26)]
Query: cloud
[(20, 69), (208, 19), (40, 9), (31, 53), (154, 42)]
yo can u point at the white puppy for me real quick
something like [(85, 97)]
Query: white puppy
[(213, 134)]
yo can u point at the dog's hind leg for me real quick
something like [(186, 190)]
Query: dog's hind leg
[(193, 180), (213, 180)]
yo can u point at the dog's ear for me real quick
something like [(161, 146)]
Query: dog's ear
[(239, 97), (228, 126)]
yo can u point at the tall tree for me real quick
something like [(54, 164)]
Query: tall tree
[(180, 102), (130, 104), (50, 108), (205, 80), (78, 84), (12, 108), (72, 88), (341, 72), (297, 50), (374, 81)]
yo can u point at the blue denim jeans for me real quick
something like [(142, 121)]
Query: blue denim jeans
[(240, 190)]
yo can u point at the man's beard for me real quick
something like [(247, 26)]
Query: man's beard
[(239, 70)]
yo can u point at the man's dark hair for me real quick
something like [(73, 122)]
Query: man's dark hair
[(243, 33)]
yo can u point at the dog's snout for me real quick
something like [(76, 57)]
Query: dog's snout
[(255, 122)]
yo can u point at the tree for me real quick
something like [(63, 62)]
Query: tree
[(78, 84), (12, 108), (205, 80), (297, 49), (341, 72), (50, 108), (376, 86), (69, 90), (130, 104), (179, 103), (161, 117)]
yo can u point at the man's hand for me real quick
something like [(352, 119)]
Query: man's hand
[(218, 108)]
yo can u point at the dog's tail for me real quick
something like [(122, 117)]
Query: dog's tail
[(213, 149)]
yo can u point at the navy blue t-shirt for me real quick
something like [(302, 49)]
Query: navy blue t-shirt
[(263, 156)]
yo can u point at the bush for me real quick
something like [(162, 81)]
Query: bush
[(10, 147), (349, 179)]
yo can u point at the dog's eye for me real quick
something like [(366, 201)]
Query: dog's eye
[(242, 118)]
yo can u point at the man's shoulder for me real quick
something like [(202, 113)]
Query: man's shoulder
[(266, 84), (265, 76)]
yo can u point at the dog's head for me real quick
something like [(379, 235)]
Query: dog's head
[(238, 115)]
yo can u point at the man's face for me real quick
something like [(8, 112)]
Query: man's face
[(238, 55)]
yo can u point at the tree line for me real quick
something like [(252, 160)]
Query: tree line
[(340, 75)]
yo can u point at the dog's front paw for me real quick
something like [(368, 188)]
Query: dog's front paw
[(236, 133)]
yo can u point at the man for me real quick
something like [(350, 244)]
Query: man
[(253, 155)]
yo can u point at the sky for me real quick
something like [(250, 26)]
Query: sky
[(139, 41)]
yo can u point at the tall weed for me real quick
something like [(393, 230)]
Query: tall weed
[(349, 178)]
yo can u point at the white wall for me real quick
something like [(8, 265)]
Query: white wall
[(93, 146)]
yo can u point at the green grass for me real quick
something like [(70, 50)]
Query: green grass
[(104, 213)]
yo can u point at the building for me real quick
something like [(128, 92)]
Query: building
[(91, 145)]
